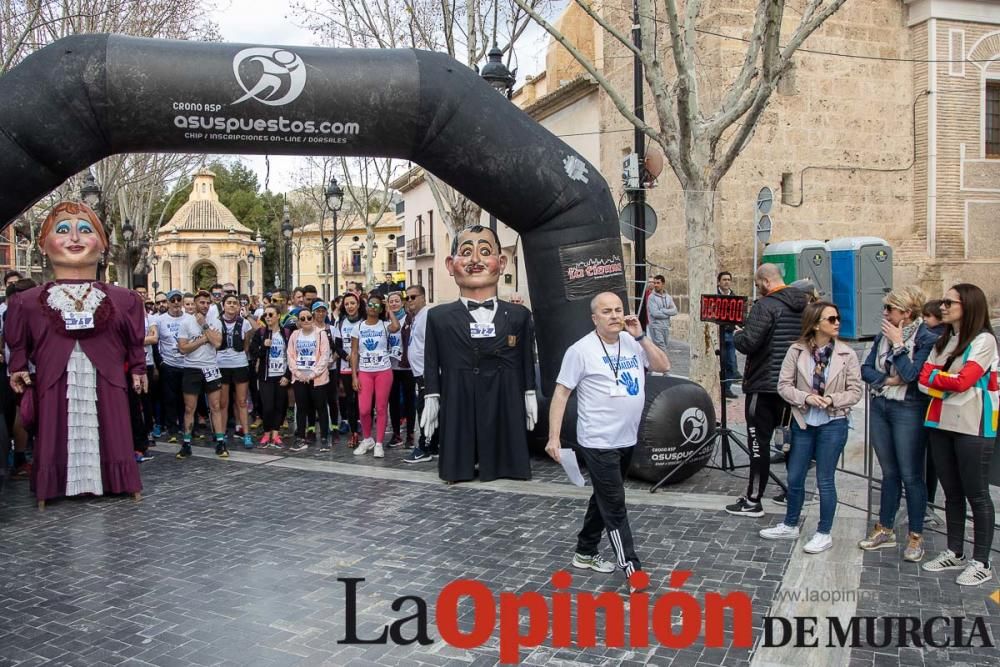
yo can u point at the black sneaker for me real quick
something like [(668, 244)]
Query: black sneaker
[(781, 499), (221, 451), (417, 455), (184, 452), (744, 507)]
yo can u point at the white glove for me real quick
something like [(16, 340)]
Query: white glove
[(429, 417), (531, 409)]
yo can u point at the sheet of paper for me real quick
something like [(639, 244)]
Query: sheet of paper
[(567, 458)]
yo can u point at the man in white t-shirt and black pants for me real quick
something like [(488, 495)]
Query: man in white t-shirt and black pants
[(607, 369)]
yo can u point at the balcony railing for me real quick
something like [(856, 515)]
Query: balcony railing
[(419, 246)]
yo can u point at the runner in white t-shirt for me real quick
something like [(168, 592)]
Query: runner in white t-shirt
[(403, 395), (268, 350), (607, 369), (350, 316), (198, 341), (168, 326), (372, 371), (233, 364)]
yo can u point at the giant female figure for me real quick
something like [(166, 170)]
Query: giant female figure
[(83, 340)]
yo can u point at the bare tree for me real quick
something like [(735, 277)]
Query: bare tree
[(368, 198), (699, 139), (312, 179), (465, 31)]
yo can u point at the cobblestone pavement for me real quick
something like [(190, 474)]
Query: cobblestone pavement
[(236, 564)]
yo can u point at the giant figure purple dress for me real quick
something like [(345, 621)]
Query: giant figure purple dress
[(36, 332)]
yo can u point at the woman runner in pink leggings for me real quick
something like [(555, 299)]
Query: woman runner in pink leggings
[(372, 370)]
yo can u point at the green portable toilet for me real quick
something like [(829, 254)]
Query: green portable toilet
[(802, 259)]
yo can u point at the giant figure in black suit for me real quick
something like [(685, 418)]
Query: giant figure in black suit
[(479, 369)]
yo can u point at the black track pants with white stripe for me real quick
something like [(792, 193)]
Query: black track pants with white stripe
[(606, 510)]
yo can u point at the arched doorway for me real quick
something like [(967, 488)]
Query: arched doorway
[(204, 275), (167, 276)]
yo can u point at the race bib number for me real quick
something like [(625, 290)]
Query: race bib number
[(306, 363), (77, 321), (372, 359), (275, 366), (211, 374), (487, 330)]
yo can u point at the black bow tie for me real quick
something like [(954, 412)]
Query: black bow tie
[(488, 305)]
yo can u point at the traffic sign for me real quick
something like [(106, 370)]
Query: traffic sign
[(763, 229)]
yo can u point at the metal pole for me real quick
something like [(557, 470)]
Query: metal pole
[(336, 277), (638, 197), (753, 271)]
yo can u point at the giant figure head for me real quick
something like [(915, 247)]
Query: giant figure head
[(72, 238), (476, 260)]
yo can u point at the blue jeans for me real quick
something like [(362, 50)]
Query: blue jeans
[(825, 444), (728, 355), (900, 442)]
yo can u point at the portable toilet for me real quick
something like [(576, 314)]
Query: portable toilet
[(862, 276), (802, 259)]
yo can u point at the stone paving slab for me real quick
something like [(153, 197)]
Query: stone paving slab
[(236, 564)]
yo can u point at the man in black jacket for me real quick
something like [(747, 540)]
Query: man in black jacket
[(774, 323)]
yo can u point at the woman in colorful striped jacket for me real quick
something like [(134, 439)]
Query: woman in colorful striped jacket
[(960, 376)]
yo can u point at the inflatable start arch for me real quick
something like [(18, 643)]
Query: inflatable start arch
[(86, 97)]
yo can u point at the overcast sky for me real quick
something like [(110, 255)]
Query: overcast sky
[(273, 22)]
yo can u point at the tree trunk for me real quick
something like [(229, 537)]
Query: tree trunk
[(702, 236)]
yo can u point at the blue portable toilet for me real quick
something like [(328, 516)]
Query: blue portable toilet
[(862, 276)]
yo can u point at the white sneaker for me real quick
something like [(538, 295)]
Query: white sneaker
[(819, 542), (946, 560), (364, 447), (976, 573), (780, 532), (379, 451)]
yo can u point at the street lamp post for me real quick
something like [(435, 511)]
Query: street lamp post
[(251, 258), (127, 231), (286, 231), (154, 259), (90, 193), (502, 80), (334, 202), (261, 245)]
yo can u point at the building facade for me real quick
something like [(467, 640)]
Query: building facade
[(204, 243), (312, 266), (884, 127)]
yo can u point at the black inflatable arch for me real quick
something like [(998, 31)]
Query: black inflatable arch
[(86, 97)]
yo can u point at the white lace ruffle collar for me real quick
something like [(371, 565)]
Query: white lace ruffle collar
[(63, 297)]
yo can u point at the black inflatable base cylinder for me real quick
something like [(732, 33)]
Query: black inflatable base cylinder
[(679, 417)]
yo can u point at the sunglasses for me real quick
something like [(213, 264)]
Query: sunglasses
[(374, 304), (305, 319), (230, 291), (833, 319), (217, 295), (948, 303), (175, 299), (268, 314), (887, 308), (412, 297)]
